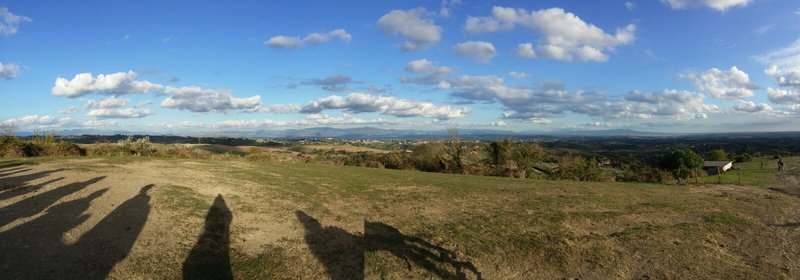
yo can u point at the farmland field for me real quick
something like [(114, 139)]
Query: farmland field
[(140, 218)]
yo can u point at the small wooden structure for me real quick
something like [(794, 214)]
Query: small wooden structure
[(717, 166)]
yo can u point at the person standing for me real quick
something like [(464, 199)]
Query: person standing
[(780, 164)]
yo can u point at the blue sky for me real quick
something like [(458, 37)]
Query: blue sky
[(185, 67)]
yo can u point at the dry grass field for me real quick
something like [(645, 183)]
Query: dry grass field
[(138, 218)]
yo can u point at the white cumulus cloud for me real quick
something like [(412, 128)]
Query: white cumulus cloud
[(119, 113), (751, 107), (68, 110), (783, 96), (730, 84), (9, 71), (388, 105), (277, 109), (479, 51), (719, 5), (564, 35), (290, 42), (111, 84), (429, 73), (196, 99), (9, 22), (525, 50), (446, 11), (415, 25), (112, 102), (535, 104), (283, 42)]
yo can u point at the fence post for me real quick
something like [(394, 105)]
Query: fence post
[(739, 174)]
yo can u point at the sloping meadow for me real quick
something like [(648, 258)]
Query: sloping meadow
[(172, 218)]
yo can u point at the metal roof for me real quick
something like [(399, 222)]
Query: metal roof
[(716, 163)]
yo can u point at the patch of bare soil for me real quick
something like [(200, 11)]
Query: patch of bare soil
[(86, 219)]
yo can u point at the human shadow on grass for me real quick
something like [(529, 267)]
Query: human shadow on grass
[(38, 203), (14, 163), (13, 170), (210, 256), (27, 189), (37, 250), (20, 181), (342, 253)]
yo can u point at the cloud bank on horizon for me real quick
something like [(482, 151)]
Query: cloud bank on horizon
[(666, 66)]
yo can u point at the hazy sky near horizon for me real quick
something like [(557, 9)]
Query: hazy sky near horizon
[(214, 66)]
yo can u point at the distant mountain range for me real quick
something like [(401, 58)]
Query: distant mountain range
[(380, 133)]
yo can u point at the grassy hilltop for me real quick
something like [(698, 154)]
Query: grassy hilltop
[(139, 218)]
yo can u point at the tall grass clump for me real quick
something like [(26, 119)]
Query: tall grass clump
[(42, 144), (128, 147), (257, 154)]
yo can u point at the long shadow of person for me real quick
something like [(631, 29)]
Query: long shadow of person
[(435, 259), (35, 250), (210, 257), (13, 170), (27, 189), (110, 241), (341, 252), (22, 180), (36, 204)]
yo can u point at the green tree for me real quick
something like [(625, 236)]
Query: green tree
[(499, 152), (499, 158), (428, 157), (681, 162), (525, 155), (717, 154), (456, 150)]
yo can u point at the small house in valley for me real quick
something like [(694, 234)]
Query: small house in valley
[(717, 166)]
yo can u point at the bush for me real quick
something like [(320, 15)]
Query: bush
[(681, 162), (108, 150), (744, 158), (184, 151), (650, 175), (577, 168), (257, 154), (717, 154), (10, 146), (429, 157), (63, 148), (397, 161), (526, 155), (139, 147), (373, 164)]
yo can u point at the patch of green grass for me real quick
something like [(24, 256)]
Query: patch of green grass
[(749, 173), (724, 219), (269, 264), (217, 149), (9, 162), (662, 203), (635, 231), (182, 199)]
